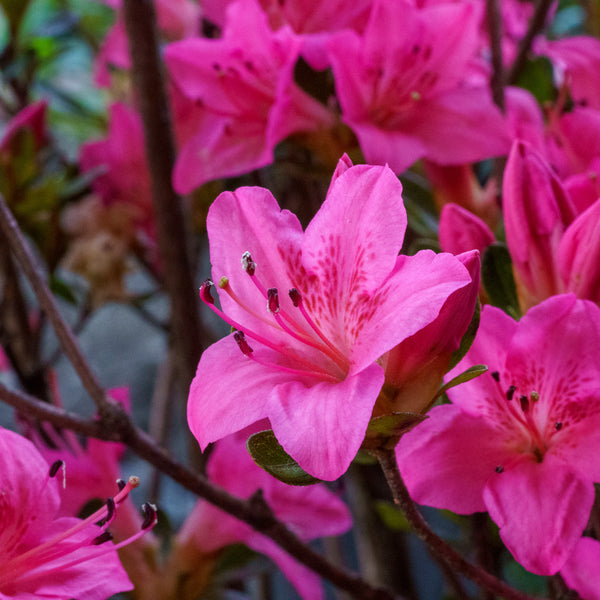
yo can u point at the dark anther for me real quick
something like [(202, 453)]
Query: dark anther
[(240, 338), (248, 264), (205, 294), (273, 300), (149, 511), (295, 297), (105, 536), (495, 375), (216, 66), (499, 469), (510, 392), (524, 400), (56, 465), (110, 509), (558, 426), (120, 484)]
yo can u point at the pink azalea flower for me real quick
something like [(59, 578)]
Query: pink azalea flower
[(521, 440), (314, 311), (403, 86), (552, 247), (126, 180), (415, 368), (177, 19), (32, 118), (243, 83), (580, 572), (576, 63), (460, 230), (43, 555), (310, 512)]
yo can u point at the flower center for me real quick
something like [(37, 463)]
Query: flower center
[(305, 350), (62, 550)]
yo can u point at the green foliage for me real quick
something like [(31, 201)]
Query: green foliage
[(498, 280), (267, 453)]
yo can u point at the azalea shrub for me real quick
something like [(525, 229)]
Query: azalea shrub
[(315, 283)]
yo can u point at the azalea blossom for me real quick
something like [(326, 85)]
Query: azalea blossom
[(310, 512), (580, 572), (554, 249), (242, 87), (42, 555), (314, 311), (404, 86), (521, 440)]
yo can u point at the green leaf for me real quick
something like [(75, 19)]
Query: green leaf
[(467, 339), (394, 424), (498, 280), (470, 373), (267, 453), (61, 289), (536, 77), (393, 518)]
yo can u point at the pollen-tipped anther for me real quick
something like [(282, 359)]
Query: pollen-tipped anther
[(273, 300), (150, 515), (205, 294), (499, 469), (248, 264), (495, 376), (510, 392), (240, 338), (105, 536), (295, 297), (121, 484), (558, 426), (110, 512), (524, 400), (56, 465)]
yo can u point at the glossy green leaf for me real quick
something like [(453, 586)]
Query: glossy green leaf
[(470, 373), (467, 339), (267, 453)]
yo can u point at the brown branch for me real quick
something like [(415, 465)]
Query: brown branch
[(255, 512), (389, 465), (494, 24), (535, 26), (186, 329), (66, 339)]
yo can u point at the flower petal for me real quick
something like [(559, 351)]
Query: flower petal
[(542, 509), (460, 453), (323, 426), (581, 571)]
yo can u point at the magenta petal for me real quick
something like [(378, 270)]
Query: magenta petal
[(579, 255), (229, 392), (461, 230), (323, 426), (306, 582), (447, 460), (581, 571), (542, 509)]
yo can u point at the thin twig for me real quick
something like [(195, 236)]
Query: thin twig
[(66, 339), (535, 26), (494, 24), (186, 328), (387, 460), (255, 512)]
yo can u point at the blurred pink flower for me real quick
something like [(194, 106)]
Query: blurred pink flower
[(460, 230), (521, 440), (403, 86), (32, 118), (307, 360), (554, 249), (42, 555), (310, 512), (245, 97)]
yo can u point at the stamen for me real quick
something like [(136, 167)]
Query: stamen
[(499, 469), (205, 294), (150, 515), (248, 264), (558, 426), (105, 536), (56, 465), (495, 375), (121, 484), (240, 338), (110, 509), (510, 392), (524, 400), (295, 297), (273, 301)]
